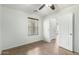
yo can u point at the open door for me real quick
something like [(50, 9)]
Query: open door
[(50, 29)]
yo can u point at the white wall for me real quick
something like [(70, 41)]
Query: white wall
[(15, 30), (0, 28)]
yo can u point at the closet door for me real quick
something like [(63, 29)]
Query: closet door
[(66, 31)]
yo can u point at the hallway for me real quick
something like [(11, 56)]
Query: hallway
[(39, 48)]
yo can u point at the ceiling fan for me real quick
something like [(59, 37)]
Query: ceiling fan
[(51, 6)]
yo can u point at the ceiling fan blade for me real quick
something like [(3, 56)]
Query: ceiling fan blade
[(42, 7)]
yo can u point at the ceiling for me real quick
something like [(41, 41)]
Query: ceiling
[(29, 8), (24, 7)]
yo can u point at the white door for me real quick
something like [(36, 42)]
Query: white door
[(53, 28), (66, 31), (46, 30)]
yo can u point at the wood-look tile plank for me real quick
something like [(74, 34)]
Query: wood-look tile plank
[(39, 48)]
